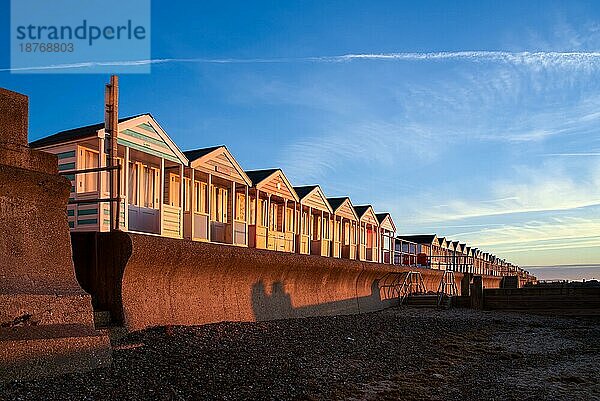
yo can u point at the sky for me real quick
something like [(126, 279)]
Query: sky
[(475, 120)]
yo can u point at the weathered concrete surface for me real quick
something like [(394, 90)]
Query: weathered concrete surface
[(148, 281), (46, 322)]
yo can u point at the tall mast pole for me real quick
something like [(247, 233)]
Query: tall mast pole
[(111, 123)]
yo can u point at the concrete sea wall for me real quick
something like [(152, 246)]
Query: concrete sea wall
[(148, 281), (46, 319)]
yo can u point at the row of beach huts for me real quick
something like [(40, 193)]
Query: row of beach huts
[(205, 195)]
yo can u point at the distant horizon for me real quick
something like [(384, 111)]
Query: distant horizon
[(572, 272)]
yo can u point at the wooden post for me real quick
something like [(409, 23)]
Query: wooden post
[(111, 127), (246, 212), (162, 190), (284, 216), (209, 204), (268, 219), (126, 187), (301, 224), (233, 211), (295, 226), (393, 255), (182, 200), (256, 206), (268, 213), (311, 229), (322, 236), (194, 200), (99, 185)]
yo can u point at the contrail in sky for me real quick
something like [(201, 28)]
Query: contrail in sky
[(531, 59)]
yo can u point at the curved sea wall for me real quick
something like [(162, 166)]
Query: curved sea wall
[(149, 281)]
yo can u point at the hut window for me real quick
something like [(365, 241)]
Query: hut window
[(174, 190), (305, 223), (316, 223), (289, 219), (133, 183), (187, 194), (200, 190), (346, 233), (386, 242), (326, 228), (263, 212), (219, 204), (89, 181), (273, 217), (252, 208), (149, 187), (106, 176), (241, 207)]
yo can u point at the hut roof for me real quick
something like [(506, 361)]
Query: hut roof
[(75, 133), (419, 239), (198, 153)]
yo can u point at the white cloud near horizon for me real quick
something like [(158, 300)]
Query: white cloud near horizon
[(534, 59)]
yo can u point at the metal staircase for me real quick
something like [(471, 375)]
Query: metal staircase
[(409, 289), (401, 285), (446, 289)]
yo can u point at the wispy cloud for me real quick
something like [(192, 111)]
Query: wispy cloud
[(530, 59), (588, 154), (549, 187)]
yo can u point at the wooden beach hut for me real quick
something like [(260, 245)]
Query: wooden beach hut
[(456, 258), (368, 240), (345, 228), (316, 215), (444, 254), (406, 253), (272, 211), (149, 201), (425, 248), (387, 236), (477, 261), (215, 197), (468, 252)]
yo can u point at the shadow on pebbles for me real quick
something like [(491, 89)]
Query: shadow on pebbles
[(401, 353)]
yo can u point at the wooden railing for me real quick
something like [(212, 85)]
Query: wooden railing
[(336, 249), (320, 247), (200, 226), (171, 221), (303, 244), (349, 251), (280, 241)]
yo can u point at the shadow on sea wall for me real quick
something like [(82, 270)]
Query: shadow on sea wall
[(151, 281)]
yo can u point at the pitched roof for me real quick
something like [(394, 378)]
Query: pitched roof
[(361, 210), (75, 133), (419, 239), (196, 160), (304, 190), (198, 153), (257, 176), (382, 216), (313, 194), (337, 202)]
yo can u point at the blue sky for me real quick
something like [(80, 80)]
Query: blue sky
[(501, 150)]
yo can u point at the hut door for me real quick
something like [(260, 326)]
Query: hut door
[(143, 198)]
